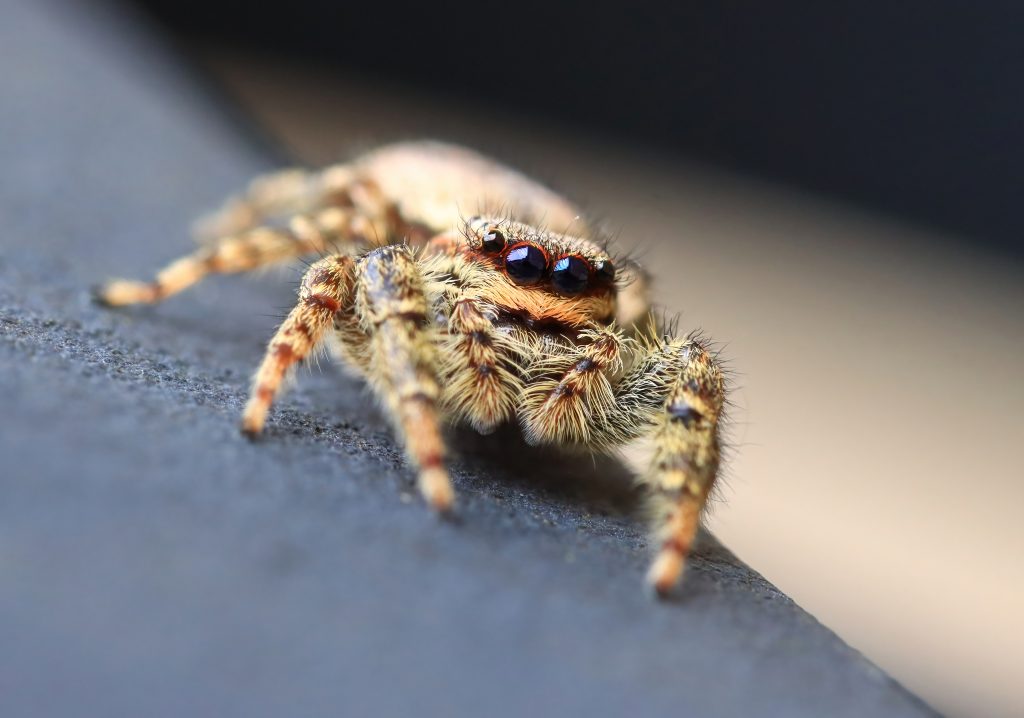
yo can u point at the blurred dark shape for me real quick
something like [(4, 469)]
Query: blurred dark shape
[(913, 108)]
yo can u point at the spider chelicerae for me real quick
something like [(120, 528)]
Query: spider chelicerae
[(516, 313)]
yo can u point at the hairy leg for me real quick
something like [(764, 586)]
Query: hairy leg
[(674, 392), (326, 290), (393, 309), (284, 192), (305, 234)]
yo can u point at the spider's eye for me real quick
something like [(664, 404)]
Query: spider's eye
[(605, 272), (494, 242), (570, 275), (525, 263)]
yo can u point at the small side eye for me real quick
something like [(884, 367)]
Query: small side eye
[(493, 242), (525, 263), (605, 272), (570, 275)]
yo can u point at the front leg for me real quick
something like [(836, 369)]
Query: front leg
[(402, 365), (675, 392)]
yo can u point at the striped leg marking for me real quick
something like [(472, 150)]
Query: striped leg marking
[(568, 393), (252, 249), (392, 307), (326, 289), (674, 392), (478, 385)]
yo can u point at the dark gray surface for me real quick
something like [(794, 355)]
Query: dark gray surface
[(153, 562)]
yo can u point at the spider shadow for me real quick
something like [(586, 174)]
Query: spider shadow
[(573, 482), (599, 491)]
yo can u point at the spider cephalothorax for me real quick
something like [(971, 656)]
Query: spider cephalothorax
[(479, 321), (544, 278), (568, 266)]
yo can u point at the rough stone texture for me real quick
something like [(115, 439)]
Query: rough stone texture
[(153, 562)]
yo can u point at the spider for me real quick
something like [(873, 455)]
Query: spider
[(516, 313)]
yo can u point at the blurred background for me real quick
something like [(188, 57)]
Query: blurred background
[(831, 191)]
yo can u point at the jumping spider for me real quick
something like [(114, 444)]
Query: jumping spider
[(474, 321)]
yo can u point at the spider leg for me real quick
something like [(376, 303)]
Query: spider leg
[(675, 391), (289, 191), (253, 248), (392, 307), (326, 290)]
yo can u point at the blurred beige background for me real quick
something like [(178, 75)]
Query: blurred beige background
[(875, 474)]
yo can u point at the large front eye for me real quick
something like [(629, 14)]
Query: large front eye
[(525, 263), (570, 275)]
